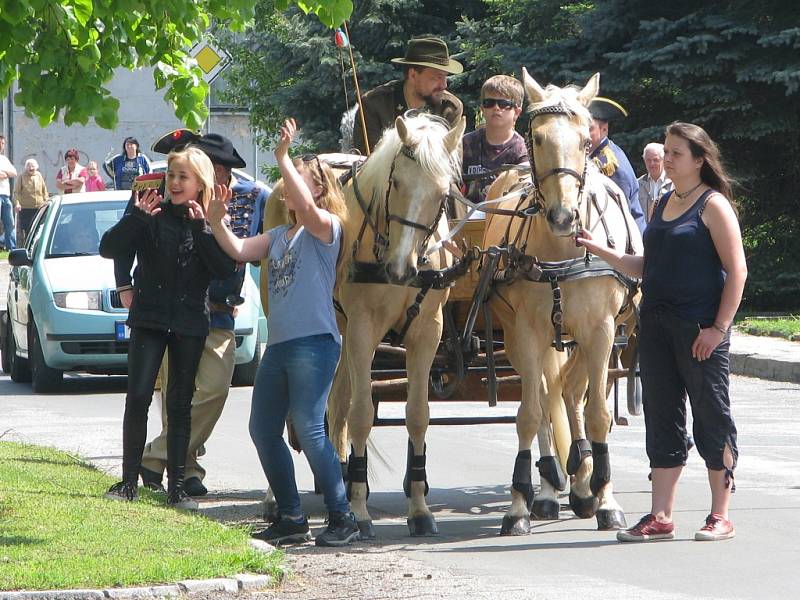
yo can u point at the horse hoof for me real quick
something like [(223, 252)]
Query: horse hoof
[(585, 508), (609, 520), (513, 525), (545, 510), (367, 532), (422, 525)]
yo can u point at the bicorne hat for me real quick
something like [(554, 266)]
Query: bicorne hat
[(430, 52), (605, 109), (217, 147)]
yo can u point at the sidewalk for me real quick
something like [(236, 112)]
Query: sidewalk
[(771, 358)]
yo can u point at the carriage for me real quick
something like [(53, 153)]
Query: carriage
[(521, 266)]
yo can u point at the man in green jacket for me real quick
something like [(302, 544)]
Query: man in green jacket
[(426, 65)]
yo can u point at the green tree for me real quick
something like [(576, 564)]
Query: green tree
[(289, 65), (63, 52), (732, 67)]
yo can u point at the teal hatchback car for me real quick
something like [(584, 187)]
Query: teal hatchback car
[(63, 312)]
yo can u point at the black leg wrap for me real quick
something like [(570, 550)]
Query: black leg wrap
[(601, 473), (578, 450), (415, 469), (356, 471), (521, 479), (550, 471)]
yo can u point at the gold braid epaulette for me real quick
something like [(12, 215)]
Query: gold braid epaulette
[(606, 161)]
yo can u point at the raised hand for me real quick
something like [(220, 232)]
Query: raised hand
[(218, 207), (149, 202), (288, 131)]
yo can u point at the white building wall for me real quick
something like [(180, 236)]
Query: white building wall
[(143, 114)]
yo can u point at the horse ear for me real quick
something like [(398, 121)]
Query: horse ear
[(533, 90), (590, 90), (401, 128), (452, 141)]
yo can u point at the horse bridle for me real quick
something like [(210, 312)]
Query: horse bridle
[(538, 201), (381, 235)]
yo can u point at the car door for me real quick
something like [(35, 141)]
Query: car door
[(22, 279)]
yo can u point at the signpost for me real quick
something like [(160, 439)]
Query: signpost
[(212, 61)]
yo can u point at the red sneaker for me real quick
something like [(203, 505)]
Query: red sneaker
[(647, 530), (716, 528)]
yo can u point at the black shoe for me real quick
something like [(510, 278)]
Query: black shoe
[(124, 490), (152, 480), (342, 530), (194, 487), (285, 531), (180, 499)]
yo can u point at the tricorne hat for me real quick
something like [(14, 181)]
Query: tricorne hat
[(605, 109), (430, 52), (217, 147)]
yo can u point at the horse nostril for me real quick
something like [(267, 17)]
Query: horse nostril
[(559, 217)]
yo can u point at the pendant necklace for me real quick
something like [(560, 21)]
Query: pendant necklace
[(685, 195)]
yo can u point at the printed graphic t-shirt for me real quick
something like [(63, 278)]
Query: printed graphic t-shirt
[(302, 273), (130, 169)]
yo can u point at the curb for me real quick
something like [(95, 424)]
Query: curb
[(751, 365), (775, 359), (241, 583)]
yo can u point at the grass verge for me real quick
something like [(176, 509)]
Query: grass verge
[(58, 532), (786, 326)]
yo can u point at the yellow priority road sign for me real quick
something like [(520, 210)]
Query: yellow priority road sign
[(211, 60)]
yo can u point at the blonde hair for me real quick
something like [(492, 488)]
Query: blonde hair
[(91, 163), (201, 166), (331, 198), (504, 86)]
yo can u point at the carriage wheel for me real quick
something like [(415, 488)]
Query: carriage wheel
[(634, 387), (444, 382)]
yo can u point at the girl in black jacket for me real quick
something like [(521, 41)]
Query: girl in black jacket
[(177, 256)]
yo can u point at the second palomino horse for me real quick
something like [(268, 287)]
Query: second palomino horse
[(557, 288)]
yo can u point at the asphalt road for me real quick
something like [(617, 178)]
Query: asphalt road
[(469, 471)]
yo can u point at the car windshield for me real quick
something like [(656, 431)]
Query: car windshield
[(79, 227)]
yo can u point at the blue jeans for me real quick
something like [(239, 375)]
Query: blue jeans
[(7, 216), (294, 379)]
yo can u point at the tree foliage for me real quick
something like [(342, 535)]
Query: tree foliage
[(730, 66), (63, 52), (288, 64)]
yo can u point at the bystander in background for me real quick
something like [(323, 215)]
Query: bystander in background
[(654, 183), (7, 171), (94, 183), (68, 178), (30, 193)]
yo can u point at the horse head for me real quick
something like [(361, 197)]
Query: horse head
[(558, 145), (417, 161)]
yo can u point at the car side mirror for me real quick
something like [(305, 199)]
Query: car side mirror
[(19, 258)]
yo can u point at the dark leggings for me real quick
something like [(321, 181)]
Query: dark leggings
[(145, 352)]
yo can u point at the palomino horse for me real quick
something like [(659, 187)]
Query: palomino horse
[(386, 283), (558, 288)]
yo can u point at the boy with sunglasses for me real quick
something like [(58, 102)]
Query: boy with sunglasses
[(496, 143)]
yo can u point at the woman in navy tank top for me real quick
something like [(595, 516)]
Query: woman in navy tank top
[(693, 273)]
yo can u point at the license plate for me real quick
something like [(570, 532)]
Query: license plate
[(123, 331)]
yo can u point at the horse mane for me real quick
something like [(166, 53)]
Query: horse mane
[(567, 98), (426, 139)]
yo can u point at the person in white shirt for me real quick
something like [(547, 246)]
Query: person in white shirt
[(655, 183), (7, 171)]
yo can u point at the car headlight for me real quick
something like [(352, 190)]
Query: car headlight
[(78, 300)]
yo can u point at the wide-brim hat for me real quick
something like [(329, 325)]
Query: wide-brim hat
[(606, 109), (217, 147), (430, 52)]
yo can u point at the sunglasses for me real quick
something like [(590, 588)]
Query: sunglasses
[(307, 158), (503, 104)]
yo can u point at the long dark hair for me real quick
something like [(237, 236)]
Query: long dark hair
[(712, 173)]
